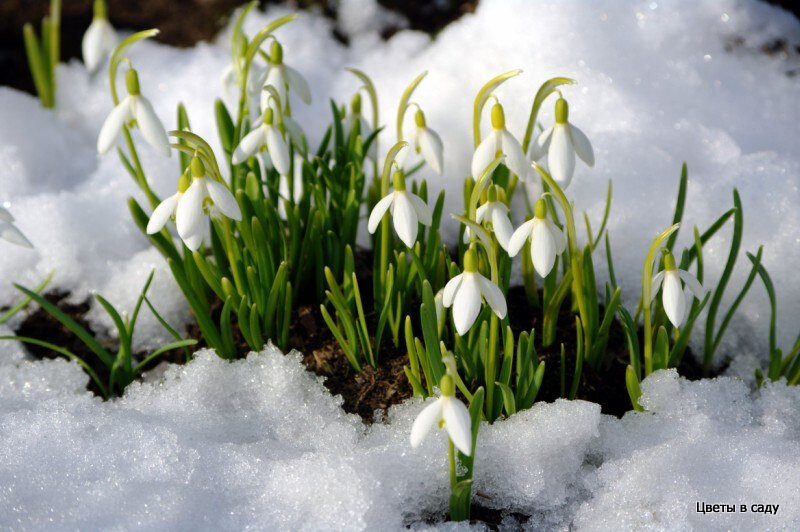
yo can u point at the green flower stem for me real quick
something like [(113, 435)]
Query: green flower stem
[(141, 180), (451, 456), (547, 88), (482, 97), (401, 109), (647, 275)]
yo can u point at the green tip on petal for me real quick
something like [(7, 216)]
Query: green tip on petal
[(562, 111), (183, 183), (100, 10), (540, 209), (498, 117), (470, 261), (399, 180), (132, 82), (447, 386), (669, 262), (419, 118), (276, 53), (355, 104), (198, 169)]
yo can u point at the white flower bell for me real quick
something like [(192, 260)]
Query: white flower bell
[(466, 291), (133, 107), (266, 134), (407, 211), (100, 38), (499, 141), (283, 77), (446, 412), (9, 232), (673, 297), (547, 240), (561, 142), (496, 212), (204, 195), (427, 143), (296, 193)]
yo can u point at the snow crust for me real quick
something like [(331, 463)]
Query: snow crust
[(260, 444)]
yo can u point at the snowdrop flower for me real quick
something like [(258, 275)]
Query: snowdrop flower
[(499, 141), (204, 195), (561, 142), (282, 76), (496, 212), (266, 134), (547, 240), (9, 232), (448, 413), (296, 193), (465, 292), (407, 211), (133, 107), (365, 129), (427, 143), (100, 38), (673, 297)]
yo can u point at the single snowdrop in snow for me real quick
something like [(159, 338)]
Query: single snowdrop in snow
[(561, 142), (100, 38), (466, 291), (448, 413), (9, 232), (407, 210), (499, 141), (547, 240), (134, 107), (266, 134), (192, 202), (673, 297), (427, 143)]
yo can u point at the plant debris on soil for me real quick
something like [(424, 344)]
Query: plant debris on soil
[(376, 389)]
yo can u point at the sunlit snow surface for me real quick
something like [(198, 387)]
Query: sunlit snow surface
[(260, 443)]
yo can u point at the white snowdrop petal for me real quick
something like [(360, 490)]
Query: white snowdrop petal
[(583, 148), (493, 295), (558, 236), (672, 298), (249, 145), (223, 199), (543, 248), (466, 304), (519, 237), (405, 219), (298, 83), (425, 421), (194, 240), (692, 284), (539, 146), (151, 127), (10, 233), (189, 213), (480, 212), (431, 147), (276, 79), (294, 131), (502, 225), (655, 284), (113, 125), (450, 290), (5, 215), (297, 178), (561, 156), (515, 157), (378, 211), (424, 214), (278, 150), (92, 46), (484, 154), (457, 422), (162, 213)]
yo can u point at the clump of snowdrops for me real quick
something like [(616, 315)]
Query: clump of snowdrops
[(273, 222)]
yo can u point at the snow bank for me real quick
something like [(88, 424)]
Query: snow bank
[(656, 87), (259, 443)]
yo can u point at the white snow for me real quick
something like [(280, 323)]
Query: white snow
[(260, 444)]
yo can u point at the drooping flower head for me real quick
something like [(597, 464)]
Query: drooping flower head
[(9, 232), (499, 141), (446, 412), (673, 297), (136, 110), (427, 143), (283, 78), (100, 38), (267, 135), (407, 211), (561, 142), (495, 211), (196, 198), (547, 240), (466, 291)]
